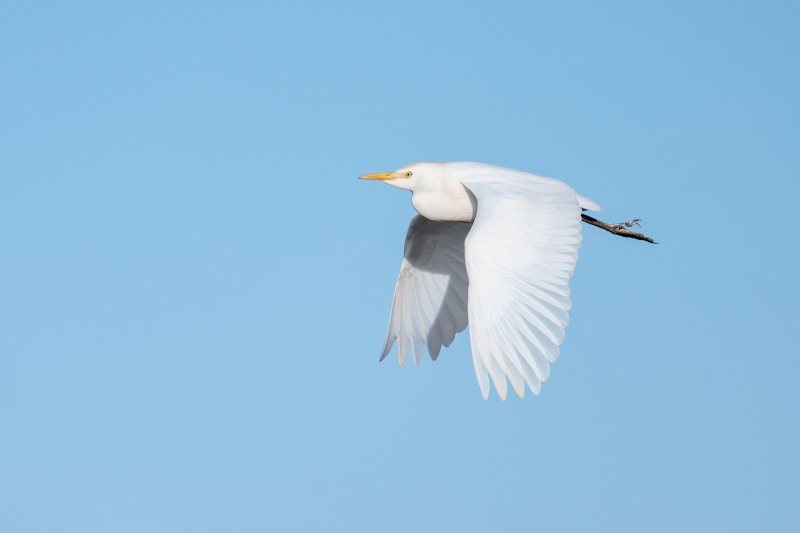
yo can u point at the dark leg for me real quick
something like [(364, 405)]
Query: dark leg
[(619, 229)]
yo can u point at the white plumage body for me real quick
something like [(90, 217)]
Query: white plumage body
[(493, 248)]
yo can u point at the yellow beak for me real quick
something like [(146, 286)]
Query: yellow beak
[(383, 176)]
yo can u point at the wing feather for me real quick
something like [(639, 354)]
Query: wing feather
[(431, 294), (520, 256)]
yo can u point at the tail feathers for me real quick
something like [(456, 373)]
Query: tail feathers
[(587, 204)]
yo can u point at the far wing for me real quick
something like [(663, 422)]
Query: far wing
[(430, 298), (520, 256)]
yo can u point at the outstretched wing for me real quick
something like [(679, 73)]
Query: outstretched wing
[(520, 256), (430, 298)]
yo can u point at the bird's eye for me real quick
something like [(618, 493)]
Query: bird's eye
[(408, 174)]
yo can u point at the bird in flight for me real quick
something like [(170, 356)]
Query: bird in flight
[(493, 248)]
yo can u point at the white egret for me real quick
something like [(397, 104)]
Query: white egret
[(494, 248)]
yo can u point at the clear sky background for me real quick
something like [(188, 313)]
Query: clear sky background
[(194, 286)]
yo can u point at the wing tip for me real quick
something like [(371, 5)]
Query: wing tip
[(387, 348)]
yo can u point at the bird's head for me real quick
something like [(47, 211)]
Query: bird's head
[(413, 177)]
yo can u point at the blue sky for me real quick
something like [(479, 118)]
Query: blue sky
[(195, 286)]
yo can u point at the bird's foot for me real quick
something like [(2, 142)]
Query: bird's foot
[(629, 224)]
